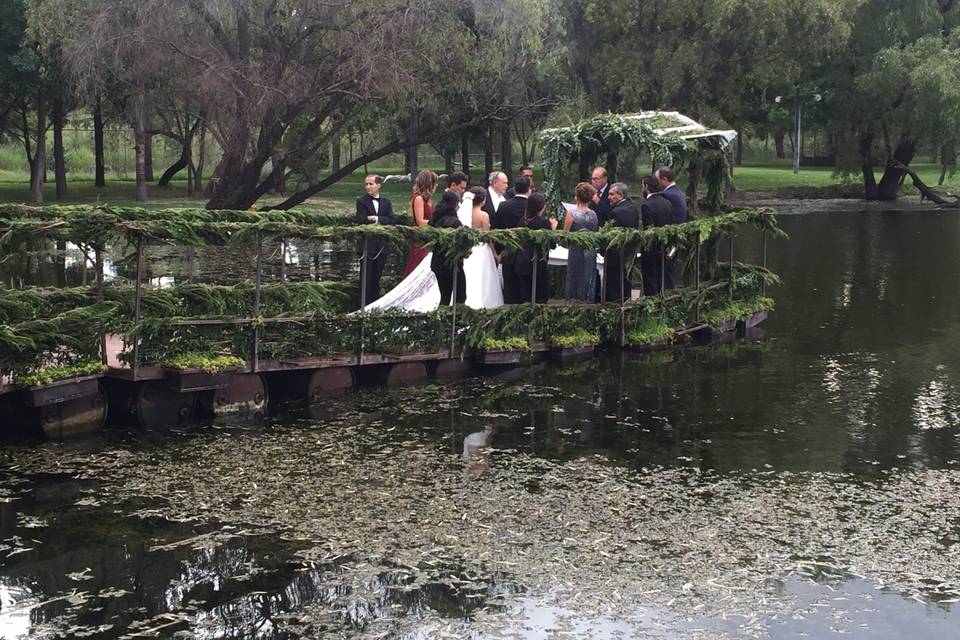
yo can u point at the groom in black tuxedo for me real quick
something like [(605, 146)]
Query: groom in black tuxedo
[(509, 216), (373, 208)]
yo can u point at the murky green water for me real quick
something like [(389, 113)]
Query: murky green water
[(799, 484)]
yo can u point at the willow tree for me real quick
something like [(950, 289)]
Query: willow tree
[(896, 88), (718, 60)]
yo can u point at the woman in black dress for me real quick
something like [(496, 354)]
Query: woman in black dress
[(534, 219), (445, 217)]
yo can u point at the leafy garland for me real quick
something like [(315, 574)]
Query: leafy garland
[(98, 226), (563, 148)]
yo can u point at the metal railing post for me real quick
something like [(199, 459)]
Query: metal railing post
[(731, 266), (453, 306), (98, 265), (283, 260), (623, 315), (258, 282), (138, 292), (663, 276), (696, 306), (364, 268), (533, 287), (606, 276), (763, 281), (191, 252)]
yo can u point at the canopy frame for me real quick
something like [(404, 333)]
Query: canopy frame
[(670, 137)]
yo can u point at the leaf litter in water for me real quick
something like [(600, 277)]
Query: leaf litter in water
[(380, 516)]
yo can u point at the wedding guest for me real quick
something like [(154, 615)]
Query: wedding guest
[(372, 208), (534, 219), (581, 263), (625, 215), (495, 195), (656, 211), (423, 188), (525, 172), (442, 264), (509, 216), (457, 182), (670, 191), (601, 199)]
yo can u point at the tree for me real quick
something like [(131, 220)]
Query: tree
[(897, 88)]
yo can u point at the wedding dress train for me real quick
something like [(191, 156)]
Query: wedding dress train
[(419, 291)]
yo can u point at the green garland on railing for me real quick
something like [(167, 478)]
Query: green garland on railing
[(64, 339), (98, 226), (44, 327), (187, 300)]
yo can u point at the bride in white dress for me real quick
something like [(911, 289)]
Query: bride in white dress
[(484, 290), (419, 291)]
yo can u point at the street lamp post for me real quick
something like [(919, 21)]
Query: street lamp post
[(796, 122)]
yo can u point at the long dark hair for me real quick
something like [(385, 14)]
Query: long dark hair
[(535, 206), (449, 203), (479, 196)]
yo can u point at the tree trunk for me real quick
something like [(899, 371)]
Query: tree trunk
[(948, 160), (893, 176), (59, 159), (99, 165), (738, 160), (866, 158), (25, 131), (185, 159), (148, 155), (335, 154), (925, 191), (201, 159), (412, 162), (778, 143), (465, 154), (140, 151), (182, 163), (38, 169), (448, 165), (301, 196), (279, 176), (488, 152), (506, 152)]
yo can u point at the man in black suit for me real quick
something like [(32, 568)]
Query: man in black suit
[(373, 208), (656, 211), (495, 195), (623, 214), (670, 191), (457, 182), (509, 216), (601, 199)]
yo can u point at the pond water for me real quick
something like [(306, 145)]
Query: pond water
[(799, 483)]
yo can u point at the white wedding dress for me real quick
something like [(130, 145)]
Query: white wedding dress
[(484, 290), (419, 291)]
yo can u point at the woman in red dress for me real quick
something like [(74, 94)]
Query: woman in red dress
[(423, 188)]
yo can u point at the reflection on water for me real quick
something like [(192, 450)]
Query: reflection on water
[(792, 486)]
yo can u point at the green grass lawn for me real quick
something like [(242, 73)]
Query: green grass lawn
[(773, 177)]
